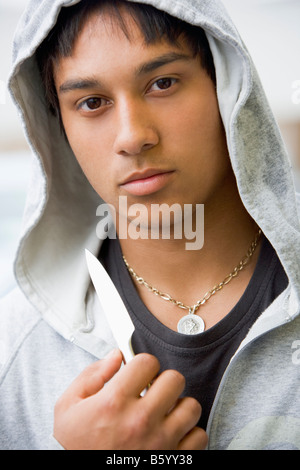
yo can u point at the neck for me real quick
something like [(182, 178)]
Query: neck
[(187, 274), (227, 236)]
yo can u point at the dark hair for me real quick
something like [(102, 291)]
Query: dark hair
[(154, 24)]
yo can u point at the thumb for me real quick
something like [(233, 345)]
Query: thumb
[(94, 377)]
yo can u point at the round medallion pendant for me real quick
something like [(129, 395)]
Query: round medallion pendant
[(191, 324)]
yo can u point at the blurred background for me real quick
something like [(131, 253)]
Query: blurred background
[(270, 29)]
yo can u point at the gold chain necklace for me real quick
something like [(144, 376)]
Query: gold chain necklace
[(192, 323)]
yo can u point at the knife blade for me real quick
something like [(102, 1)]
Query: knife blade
[(116, 313)]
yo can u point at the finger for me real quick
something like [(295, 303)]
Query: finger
[(135, 376), (196, 439), (94, 377), (165, 391), (183, 417)]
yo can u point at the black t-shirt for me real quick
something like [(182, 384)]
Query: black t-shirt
[(201, 358)]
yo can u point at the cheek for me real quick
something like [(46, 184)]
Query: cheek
[(208, 129), (195, 121), (202, 138), (203, 124), (93, 156)]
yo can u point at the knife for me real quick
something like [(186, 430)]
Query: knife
[(116, 313)]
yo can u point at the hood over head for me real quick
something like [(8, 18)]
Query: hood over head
[(60, 215)]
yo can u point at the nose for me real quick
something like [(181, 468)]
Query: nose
[(135, 131)]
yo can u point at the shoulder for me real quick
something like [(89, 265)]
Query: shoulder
[(17, 319)]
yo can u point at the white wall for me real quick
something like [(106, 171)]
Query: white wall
[(14, 158), (271, 31), (11, 133)]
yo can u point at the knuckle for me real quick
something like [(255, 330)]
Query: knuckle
[(141, 421), (175, 376), (201, 438), (160, 441), (110, 404), (144, 431), (194, 407), (91, 369), (147, 360), (89, 372), (137, 428), (196, 439)]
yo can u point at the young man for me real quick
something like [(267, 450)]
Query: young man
[(125, 101)]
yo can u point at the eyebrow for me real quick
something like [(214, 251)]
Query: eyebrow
[(78, 84), (147, 67), (160, 61)]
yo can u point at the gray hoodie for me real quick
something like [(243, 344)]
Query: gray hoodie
[(48, 327)]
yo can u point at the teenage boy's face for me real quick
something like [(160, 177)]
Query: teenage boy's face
[(142, 120)]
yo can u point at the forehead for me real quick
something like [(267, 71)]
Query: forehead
[(107, 26), (122, 26), (107, 42), (115, 22)]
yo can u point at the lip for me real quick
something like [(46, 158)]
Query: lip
[(146, 182)]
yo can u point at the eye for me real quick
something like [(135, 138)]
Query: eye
[(92, 104), (163, 84)]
